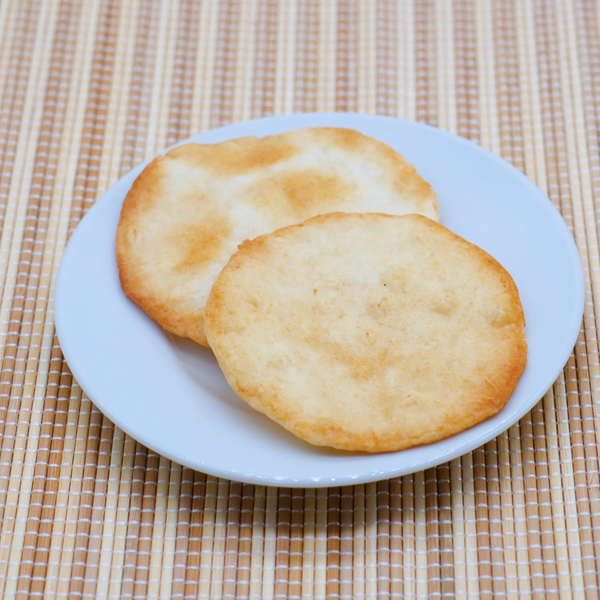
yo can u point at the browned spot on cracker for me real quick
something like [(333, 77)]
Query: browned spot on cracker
[(408, 181), (346, 139), (200, 243), (236, 157), (309, 189)]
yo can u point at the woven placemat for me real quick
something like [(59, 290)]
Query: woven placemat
[(89, 89)]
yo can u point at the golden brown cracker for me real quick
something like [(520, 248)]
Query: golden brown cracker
[(368, 332)]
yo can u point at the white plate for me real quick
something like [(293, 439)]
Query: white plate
[(169, 393)]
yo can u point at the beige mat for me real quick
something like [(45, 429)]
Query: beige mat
[(88, 89)]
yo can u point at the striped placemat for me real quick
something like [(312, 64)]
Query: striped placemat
[(90, 88)]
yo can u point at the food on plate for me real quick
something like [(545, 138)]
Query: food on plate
[(368, 332), (189, 210)]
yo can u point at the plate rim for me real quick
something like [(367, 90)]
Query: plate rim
[(297, 121)]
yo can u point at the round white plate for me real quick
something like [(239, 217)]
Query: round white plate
[(169, 393)]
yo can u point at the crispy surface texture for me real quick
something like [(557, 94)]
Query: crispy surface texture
[(189, 210), (368, 332)]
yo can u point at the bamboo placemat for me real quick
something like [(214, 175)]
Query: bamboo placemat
[(89, 89)]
